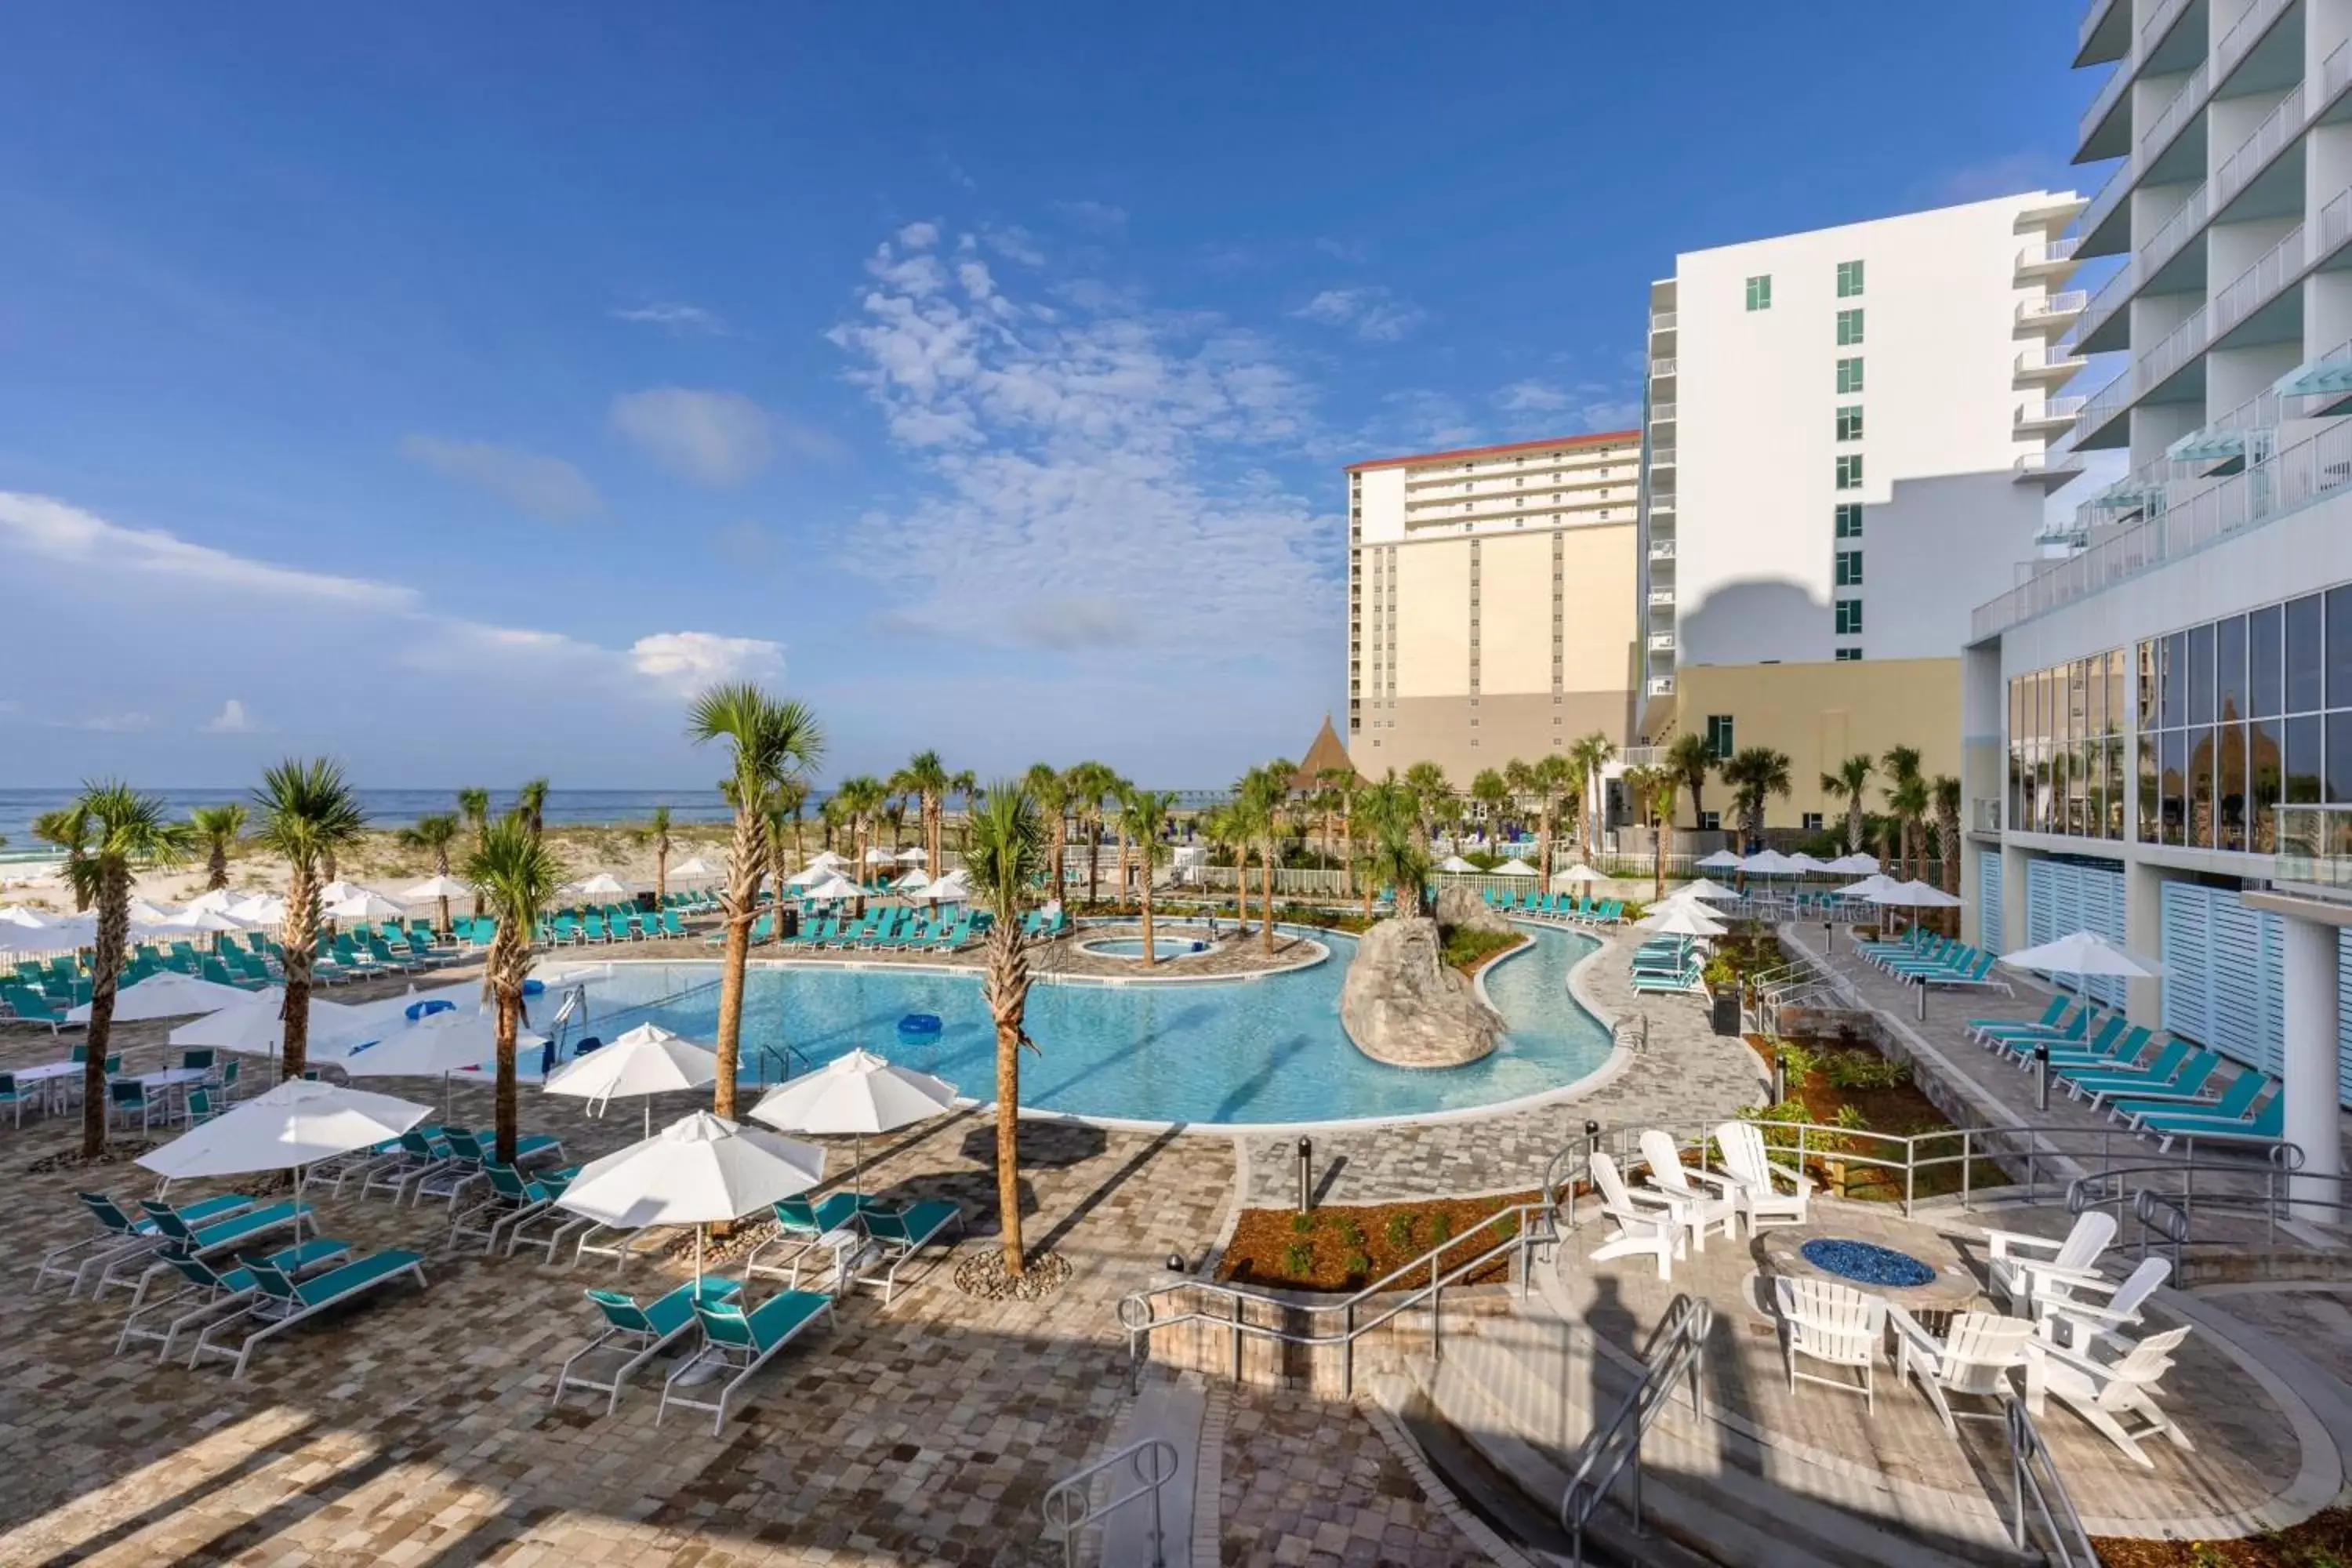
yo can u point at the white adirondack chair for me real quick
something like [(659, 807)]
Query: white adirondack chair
[(2068, 1317), (2109, 1393), (1704, 1199), (1974, 1359), (1830, 1323), (1656, 1231), (1760, 1193), (2018, 1273)]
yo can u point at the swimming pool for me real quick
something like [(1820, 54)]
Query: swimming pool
[(1244, 1052), (1164, 946)]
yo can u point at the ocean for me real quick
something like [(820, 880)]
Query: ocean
[(399, 807)]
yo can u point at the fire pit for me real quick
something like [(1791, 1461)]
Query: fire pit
[(1903, 1262), (1867, 1262)]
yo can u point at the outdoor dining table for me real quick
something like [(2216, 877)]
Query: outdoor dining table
[(164, 1083), (51, 1077)]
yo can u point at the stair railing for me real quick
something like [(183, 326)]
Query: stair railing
[(1677, 1354), (2041, 1501), (1068, 1504)]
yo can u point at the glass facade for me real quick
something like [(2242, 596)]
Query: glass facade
[(2068, 729), (2241, 715)]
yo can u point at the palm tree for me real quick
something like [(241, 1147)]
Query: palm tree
[(964, 785), (1006, 851), (1336, 798), (772, 739), (1850, 784), (1590, 755), (1944, 800), (1143, 817), (218, 826), (1264, 796), (1755, 774), (67, 827), (928, 779), (1429, 795), (658, 829), (307, 811), (517, 875), (1491, 790), (1655, 788), (1688, 758), (862, 799), (474, 806), (532, 800), (1224, 829), (774, 813), (1088, 783), (1043, 782), (127, 832), (435, 833), (1555, 782), (791, 799), (1394, 855), (1902, 767)]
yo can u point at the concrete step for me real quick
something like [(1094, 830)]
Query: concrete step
[(1172, 1411), (1533, 1380)]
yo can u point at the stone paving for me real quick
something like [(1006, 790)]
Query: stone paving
[(1684, 1075), (1313, 1483)]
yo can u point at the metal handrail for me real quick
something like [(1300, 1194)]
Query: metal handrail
[(2169, 1212), (1531, 1225), (1068, 1505), (2035, 1477), (783, 1056), (1678, 1352)]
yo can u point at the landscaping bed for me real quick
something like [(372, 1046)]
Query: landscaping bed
[(1345, 1248), (1470, 950), (1845, 1082), (2323, 1540)]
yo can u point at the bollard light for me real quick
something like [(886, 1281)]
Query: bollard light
[(1779, 1080), (2042, 1074), (1176, 1263), (1305, 1175)]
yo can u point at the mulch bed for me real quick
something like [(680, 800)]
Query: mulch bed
[(1901, 1109), (1349, 1248), (72, 1159), (2323, 1540)]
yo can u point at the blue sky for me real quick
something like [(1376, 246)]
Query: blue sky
[(455, 387)]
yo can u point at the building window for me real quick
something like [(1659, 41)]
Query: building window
[(1810, 821), (1849, 422), (1718, 734), (1849, 376), (1849, 279), (1849, 328), (1849, 618), (1849, 471), (1849, 656), (1710, 822), (1760, 292), (1849, 519), (1849, 568)]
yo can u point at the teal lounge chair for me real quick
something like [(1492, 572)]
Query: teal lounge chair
[(214, 1289), (798, 1225), (281, 1301), (119, 1234), (2168, 1125), (2156, 1074), (2092, 1048), (2049, 1020), (2235, 1101), (739, 1341), (513, 1199), (902, 1233), (637, 1332), (200, 1240), (2187, 1080)]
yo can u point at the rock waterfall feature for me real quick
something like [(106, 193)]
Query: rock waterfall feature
[(1403, 1005)]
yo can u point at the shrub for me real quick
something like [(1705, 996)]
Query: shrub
[(1351, 1234), (1399, 1231), (1863, 1070), (1300, 1224), (1360, 1264), (1298, 1260), (1440, 1228)]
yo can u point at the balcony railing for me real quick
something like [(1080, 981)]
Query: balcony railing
[(1662, 321), (1662, 550), (2051, 308), (1662, 413), (1662, 642), (2255, 152), (2240, 39), (2112, 296), (2104, 102), (2118, 184), (1661, 367), (2315, 847), (2093, 15), (1661, 686), (1661, 599), (1984, 815), (2049, 253), (2178, 110), (2043, 364), (2293, 479), (2054, 411), (2152, 31), (2173, 232), (2259, 284), (2039, 465)]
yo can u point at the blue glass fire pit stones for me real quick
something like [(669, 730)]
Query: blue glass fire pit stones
[(1866, 1263)]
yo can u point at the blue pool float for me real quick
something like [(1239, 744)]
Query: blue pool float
[(915, 1024)]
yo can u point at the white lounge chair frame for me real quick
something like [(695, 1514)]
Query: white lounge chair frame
[(1826, 1321), (1974, 1359), (2107, 1395), (2016, 1273), (1709, 1203), (1655, 1231), (1749, 1164)]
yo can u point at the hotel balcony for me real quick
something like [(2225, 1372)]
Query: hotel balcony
[(1662, 642), (2048, 469), (2055, 414), (2053, 313), (1661, 599), (1662, 413), (2056, 213), (2044, 367), (1661, 368), (1661, 321), (1661, 686), (1662, 550), (2051, 260), (2104, 34)]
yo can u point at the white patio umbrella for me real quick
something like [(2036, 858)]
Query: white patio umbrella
[(1721, 860), (1769, 863), (366, 904), (951, 888), (1681, 919), (167, 996), (148, 915), (856, 1094), (1807, 864), (913, 857), (437, 888), (1578, 873), (222, 899), (1856, 864), (832, 889), (259, 908), (647, 1060), (1868, 888), (877, 855), (694, 1172), (1456, 864), (602, 885), (1705, 890), (212, 921), (697, 867), (1913, 895), (28, 931), (912, 881), (433, 1044), (296, 1123), (1514, 868), (336, 891), (2083, 954), (809, 876), (254, 1028)]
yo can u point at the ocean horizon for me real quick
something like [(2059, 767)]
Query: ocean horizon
[(401, 807)]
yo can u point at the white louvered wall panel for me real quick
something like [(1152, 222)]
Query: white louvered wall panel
[(2063, 897), (2224, 980), (1989, 900)]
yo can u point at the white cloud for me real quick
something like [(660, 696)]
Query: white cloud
[(543, 486), (1014, 244), (57, 530), (1544, 408), (232, 720), (689, 661), (715, 438), (1093, 215), (1371, 312), (675, 316), (1531, 396), (1095, 472)]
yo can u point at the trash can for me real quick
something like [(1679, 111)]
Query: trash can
[(1723, 1011)]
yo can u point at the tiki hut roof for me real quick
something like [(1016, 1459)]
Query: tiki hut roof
[(1325, 755)]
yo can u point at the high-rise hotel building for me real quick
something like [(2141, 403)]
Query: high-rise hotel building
[(1491, 602), (1844, 451)]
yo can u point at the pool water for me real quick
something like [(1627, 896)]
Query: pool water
[(1162, 946), (1249, 1052)]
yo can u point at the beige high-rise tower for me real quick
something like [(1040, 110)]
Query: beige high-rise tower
[(1491, 602)]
